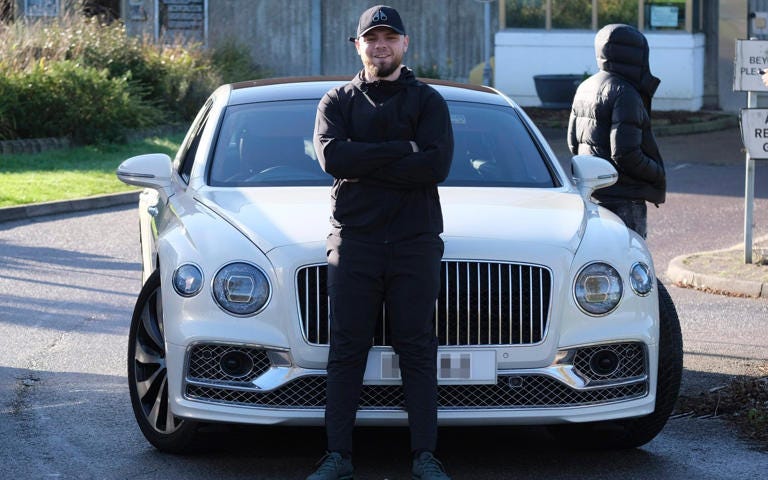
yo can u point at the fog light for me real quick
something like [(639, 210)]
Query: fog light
[(604, 363), (236, 364)]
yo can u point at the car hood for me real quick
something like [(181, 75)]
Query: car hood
[(273, 217), (526, 215)]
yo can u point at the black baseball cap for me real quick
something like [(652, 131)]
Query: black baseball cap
[(379, 16)]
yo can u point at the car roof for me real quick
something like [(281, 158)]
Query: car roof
[(313, 88)]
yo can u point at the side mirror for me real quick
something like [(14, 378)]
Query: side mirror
[(152, 170), (591, 173)]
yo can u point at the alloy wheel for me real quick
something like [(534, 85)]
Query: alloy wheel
[(150, 375)]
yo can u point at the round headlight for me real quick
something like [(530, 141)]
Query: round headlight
[(187, 280), (598, 288), (241, 288), (640, 279)]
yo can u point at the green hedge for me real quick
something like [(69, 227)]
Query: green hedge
[(92, 82), (66, 99)]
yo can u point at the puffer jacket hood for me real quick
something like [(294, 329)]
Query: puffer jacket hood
[(623, 50)]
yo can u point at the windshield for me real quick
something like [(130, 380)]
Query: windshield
[(270, 144)]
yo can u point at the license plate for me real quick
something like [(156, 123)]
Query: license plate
[(453, 367)]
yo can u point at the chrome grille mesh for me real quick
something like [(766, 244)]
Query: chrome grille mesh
[(480, 303), (509, 392), (204, 362), (631, 361)]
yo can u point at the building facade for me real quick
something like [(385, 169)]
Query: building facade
[(692, 41), (310, 37)]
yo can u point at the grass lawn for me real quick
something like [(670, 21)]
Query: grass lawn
[(72, 173)]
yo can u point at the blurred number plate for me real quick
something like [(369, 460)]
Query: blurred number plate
[(453, 367)]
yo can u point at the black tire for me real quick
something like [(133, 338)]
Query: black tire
[(634, 432), (148, 377)]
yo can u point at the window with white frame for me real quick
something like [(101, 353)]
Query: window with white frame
[(647, 15)]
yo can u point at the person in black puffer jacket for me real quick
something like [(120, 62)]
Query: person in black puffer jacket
[(611, 118)]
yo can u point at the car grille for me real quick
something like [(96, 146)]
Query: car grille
[(480, 303), (509, 391), (631, 361), (205, 363)]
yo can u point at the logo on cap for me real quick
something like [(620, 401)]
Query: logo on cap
[(379, 16)]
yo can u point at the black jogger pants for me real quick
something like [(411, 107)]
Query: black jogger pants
[(361, 277)]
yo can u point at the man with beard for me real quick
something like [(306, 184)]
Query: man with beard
[(386, 138)]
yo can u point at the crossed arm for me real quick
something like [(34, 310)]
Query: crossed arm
[(401, 163)]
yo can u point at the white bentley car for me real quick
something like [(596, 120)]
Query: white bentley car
[(549, 312)]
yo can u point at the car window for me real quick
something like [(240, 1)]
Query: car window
[(266, 144), (270, 143), (492, 147)]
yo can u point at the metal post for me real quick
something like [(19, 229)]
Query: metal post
[(487, 43), (316, 29), (487, 33), (749, 192), (156, 18)]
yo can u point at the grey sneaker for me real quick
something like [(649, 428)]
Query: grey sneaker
[(427, 467), (332, 467)]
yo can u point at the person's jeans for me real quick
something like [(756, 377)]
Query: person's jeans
[(633, 213), (361, 277)]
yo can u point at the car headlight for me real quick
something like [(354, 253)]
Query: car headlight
[(187, 280), (241, 288), (598, 288), (640, 279)]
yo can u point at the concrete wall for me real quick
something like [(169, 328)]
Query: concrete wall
[(677, 58)]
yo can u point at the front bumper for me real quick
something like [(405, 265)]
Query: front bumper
[(277, 392)]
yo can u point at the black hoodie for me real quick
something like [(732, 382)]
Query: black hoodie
[(383, 191), (611, 116)]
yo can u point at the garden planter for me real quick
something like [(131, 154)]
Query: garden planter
[(557, 91)]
